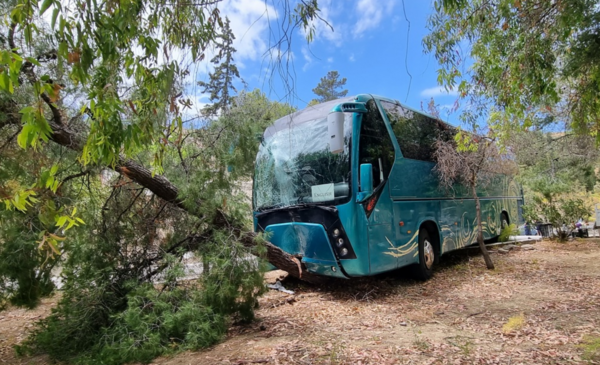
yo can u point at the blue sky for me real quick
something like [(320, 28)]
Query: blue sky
[(370, 44)]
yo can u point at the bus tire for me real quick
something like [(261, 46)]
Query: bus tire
[(423, 270)]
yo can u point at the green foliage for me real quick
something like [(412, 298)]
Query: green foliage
[(305, 14), (328, 87), (557, 203), (97, 53), (156, 323), (31, 242), (564, 157), (222, 78), (24, 267), (558, 176), (112, 313), (509, 230), (102, 327), (530, 60), (113, 239)]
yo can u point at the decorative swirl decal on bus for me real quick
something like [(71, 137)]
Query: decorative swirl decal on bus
[(411, 246)]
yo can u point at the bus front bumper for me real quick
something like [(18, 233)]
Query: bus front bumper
[(309, 241)]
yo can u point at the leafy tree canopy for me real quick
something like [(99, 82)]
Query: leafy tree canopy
[(91, 94), (329, 88), (529, 59)]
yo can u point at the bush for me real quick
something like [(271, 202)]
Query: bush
[(510, 230), (557, 203), (100, 327), (158, 322)]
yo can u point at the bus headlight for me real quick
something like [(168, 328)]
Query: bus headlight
[(336, 232), (340, 242), (344, 251)]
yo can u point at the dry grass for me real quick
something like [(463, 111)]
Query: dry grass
[(458, 317), (514, 324)]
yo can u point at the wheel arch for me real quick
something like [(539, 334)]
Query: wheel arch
[(505, 213), (434, 232)]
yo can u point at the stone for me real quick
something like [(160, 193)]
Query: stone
[(503, 250), (527, 247), (271, 277)]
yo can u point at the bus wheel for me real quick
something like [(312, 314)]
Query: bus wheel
[(424, 269)]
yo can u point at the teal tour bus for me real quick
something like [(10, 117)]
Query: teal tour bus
[(349, 187)]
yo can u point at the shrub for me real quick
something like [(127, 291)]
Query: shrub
[(509, 230), (100, 326)]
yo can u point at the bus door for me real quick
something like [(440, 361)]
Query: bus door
[(376, 148)]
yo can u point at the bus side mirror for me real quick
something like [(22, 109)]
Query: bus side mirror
[(335, 129), (366, 178)]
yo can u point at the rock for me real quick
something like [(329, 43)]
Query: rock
[(403, 324), (503, 250), (527, 247), (273, 276), (278, 286), (509, 247)]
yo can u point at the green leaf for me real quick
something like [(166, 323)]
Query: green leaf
[(26, 136), (63, 50), (45, 5), (5, 82), (61, 221), (54, 16), (27, 33)]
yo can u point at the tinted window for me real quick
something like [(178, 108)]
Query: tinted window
[(416, 133), (375, 145)]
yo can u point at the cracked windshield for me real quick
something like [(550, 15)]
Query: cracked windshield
[(295, 164)]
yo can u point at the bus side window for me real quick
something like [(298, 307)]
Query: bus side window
[(375, 146), (416, 133)]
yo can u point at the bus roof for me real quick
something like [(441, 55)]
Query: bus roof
[(305, 115), (320, 110)]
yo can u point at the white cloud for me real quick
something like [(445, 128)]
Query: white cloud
[(249, 21), (351, 58), (370, 14), (307, 58), (433, 92), (330, 59)]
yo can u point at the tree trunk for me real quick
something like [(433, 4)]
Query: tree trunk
[(279, 258), (484, 251)]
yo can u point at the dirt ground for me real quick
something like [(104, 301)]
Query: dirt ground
[(538, 306)]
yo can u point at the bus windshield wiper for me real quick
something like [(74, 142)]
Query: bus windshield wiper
[(270, 207)]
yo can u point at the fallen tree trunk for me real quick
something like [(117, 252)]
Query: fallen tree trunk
[(164, 189), (282, 260)]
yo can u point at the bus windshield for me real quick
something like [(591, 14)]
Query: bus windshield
[(294, 165)]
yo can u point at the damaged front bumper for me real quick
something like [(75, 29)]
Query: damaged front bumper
[(309, 241)]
